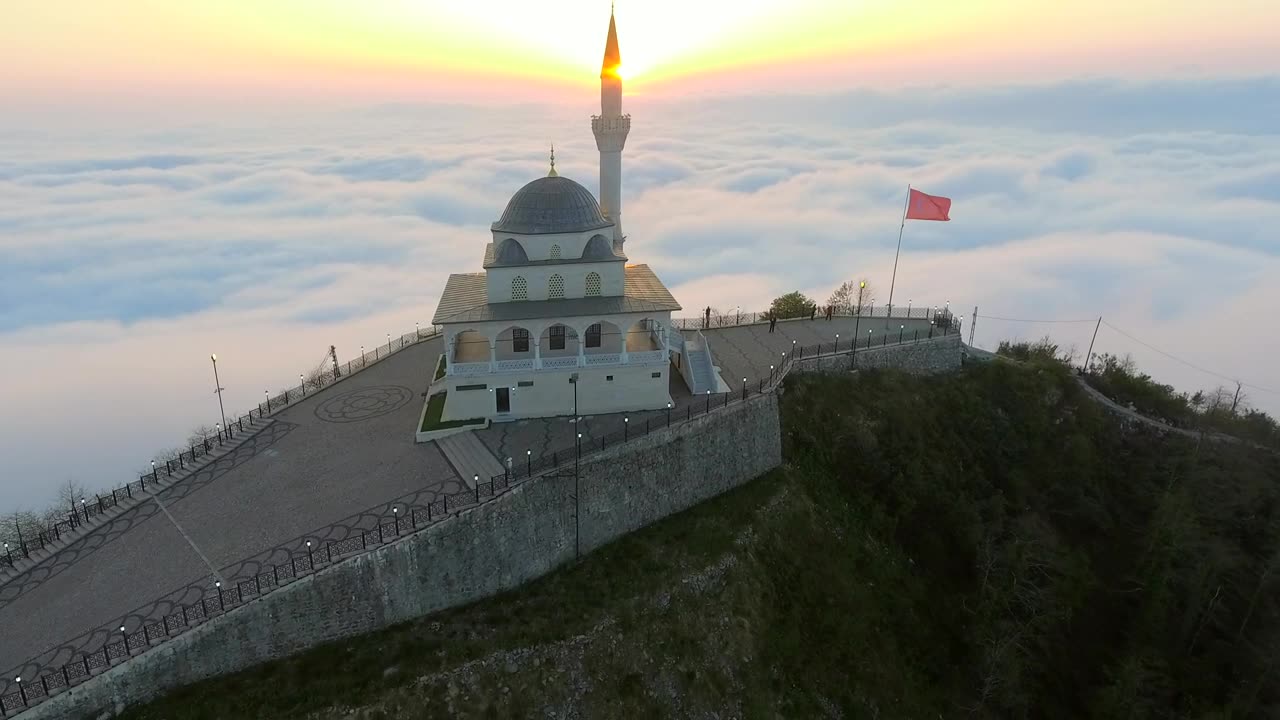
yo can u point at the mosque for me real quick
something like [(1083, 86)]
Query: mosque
[(559, 322)]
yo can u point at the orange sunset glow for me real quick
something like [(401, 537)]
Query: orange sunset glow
[(394, 47)]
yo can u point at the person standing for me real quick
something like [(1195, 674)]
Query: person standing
[(829, 307), (773, 321), (813, 311), (706, 322)]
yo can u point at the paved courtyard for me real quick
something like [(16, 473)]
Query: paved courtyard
[(326, 468)]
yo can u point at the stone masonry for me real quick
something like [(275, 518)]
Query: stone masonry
[(522, 534)]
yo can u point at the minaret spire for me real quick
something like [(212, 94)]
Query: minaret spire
[(611, 127), (612, 56), (553, 172)]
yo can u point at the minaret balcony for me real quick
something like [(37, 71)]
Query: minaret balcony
[(620, 124)]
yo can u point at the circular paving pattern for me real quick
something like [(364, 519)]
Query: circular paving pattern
[(363, 404)]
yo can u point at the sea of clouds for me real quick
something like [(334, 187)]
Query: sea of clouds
[(131, 251)]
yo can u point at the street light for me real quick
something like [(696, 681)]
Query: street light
[(528, 459), (217, 387), (302, 384), (126, 640), (8, 554), (217, 585), (395, 513), (21, 693), (267, 393), (900, 329), (668, 413)]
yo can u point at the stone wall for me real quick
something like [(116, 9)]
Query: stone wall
[(523, 533), (926, 357)]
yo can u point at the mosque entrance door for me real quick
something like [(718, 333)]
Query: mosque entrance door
[(504, 400)]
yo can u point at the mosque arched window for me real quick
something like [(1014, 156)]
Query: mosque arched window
[(555, 252), (519, 288), (593, 284), (555, 287)]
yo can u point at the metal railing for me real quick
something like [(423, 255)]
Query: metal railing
[(78, 517), (733, 319), (45, 682)]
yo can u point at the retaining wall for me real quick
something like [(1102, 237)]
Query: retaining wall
[(926, 357), (497, 545)]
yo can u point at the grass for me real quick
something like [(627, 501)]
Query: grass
[(965, 547), (435, 407)]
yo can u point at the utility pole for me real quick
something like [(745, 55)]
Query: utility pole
[(1236, 400), (1089, 356), (333, 355), (973, 324)]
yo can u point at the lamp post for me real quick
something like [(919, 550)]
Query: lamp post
[(528, 463), (908, 307), (218, 427), (310, 560), (417, 332), (868, 337), (744, 388), (84, 510), (302, 385), (577, 546), (8, 554), (900, 329), (573, 380), (395, 513), (217, 385), (857, 322), (626, 422), (836, 346), (21, 693), (267, 393), (217, 586), (127, 651), (153, 470), (668, 413), (388, 342)]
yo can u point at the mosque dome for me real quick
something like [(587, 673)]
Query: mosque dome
[(549, 205)]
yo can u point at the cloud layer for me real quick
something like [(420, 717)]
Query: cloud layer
[(129, 254)]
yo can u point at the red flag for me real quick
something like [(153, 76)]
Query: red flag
[(928, 207)]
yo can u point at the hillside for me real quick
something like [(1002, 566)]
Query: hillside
[(988, 544)]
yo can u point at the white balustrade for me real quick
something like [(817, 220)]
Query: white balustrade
[(476, 368), (513, 365), (646, 358), (559, 363), (604, 359)]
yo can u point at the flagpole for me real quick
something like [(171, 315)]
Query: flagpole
[(894, 279)]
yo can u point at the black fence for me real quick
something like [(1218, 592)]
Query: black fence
[(702, 404), (45, 682), (78, 516), (131, 641), (734, 318)]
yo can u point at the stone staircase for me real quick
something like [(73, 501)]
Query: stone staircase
[(469, 457), (701, 369)]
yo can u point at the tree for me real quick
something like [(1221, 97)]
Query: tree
[(793, 304), (842, 298)]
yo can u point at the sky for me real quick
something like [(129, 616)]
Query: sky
[(263, 180)]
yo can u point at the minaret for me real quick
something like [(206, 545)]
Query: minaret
[(611, 128)]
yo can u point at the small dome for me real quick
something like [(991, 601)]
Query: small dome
[(549, 205)]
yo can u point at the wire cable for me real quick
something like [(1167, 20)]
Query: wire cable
[(1188, 364), (993, 317)]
